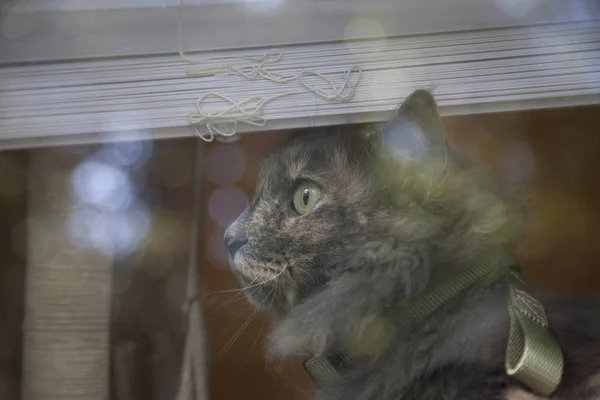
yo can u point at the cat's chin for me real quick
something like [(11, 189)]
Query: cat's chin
[(263, 297), (268, 288), (272, 305), (256, 302)]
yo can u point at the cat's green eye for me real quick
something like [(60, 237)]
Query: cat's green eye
[(306, 196)]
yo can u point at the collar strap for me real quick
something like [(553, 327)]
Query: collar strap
[(533, 356)]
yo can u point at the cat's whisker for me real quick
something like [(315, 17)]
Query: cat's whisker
[(251, 285), (237, 334), (243, 327), (238, 290), (239, 295), (253, 345), (268, 280), (260, 330), (226, 303), (227, 291), (236, 297)]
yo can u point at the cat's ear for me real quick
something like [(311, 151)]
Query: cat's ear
[(416, 132)]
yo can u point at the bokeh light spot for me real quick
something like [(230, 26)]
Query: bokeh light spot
[(404, 141), (517, 8), (168, 233), (112, 234), (102, 185), (226, 204), (516, 161), (125, 154), (360, 28), (225, 164), (263, 6), (372, 336)]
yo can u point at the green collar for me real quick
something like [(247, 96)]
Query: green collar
[(533, 357)]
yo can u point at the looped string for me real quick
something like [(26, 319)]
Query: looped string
[(344, 93), (250, 72), (224, 122)]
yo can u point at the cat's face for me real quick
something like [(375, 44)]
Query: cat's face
[(329, 199), (311, 203)]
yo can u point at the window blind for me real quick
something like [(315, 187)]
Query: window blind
[(550, 59)]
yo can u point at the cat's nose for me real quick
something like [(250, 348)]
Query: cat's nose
[(234, 244)]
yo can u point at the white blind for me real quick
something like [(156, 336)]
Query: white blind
[(482, 70)]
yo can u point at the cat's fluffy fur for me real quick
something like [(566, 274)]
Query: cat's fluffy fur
[(398, 209)]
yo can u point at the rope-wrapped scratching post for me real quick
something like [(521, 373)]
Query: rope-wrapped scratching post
[(67, 315)]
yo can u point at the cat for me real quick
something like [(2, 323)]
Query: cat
[(348, 223)]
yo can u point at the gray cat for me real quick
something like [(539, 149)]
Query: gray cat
[(352, 224)]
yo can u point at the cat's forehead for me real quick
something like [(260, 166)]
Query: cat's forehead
[(304, 150)]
